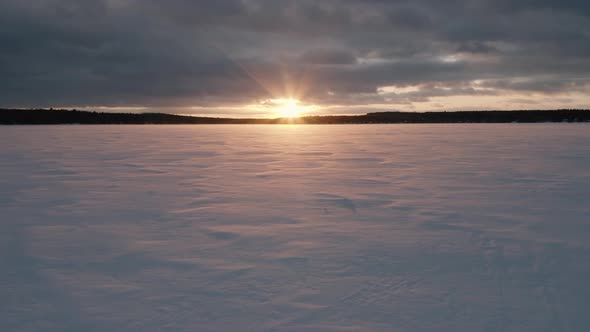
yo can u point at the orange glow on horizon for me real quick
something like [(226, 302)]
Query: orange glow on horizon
[(287, 108)]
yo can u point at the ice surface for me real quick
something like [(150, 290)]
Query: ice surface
[(295, 228)]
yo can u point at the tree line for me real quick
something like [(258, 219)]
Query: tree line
[(62, 116)]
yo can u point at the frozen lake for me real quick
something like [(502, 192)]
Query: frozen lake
[(295, 228)]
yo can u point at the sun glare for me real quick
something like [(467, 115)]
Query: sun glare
[(288, 108)]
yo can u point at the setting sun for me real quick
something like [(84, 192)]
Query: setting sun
[(288, 108)]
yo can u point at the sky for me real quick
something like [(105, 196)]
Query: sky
[(266, 58)]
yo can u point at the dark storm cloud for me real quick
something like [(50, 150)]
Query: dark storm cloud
[(324, 56), (176, 53)]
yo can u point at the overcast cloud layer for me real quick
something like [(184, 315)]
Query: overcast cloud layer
[(216, 57)]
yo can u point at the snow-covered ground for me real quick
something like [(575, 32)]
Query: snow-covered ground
[(295, 228)]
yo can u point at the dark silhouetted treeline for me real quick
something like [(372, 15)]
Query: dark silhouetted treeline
[(42, 116), (564, 115)]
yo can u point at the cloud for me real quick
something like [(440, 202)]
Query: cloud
[(180, 54), (327, 57)]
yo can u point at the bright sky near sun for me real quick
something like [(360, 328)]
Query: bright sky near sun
[(288, 108)]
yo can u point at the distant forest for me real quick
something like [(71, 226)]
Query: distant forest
[(51, 116)]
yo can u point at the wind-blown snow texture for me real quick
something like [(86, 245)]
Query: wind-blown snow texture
[(295, 228)]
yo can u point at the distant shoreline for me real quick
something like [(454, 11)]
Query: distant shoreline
[(61, 116)]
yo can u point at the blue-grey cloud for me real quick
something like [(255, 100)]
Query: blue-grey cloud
[(177, 53)]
